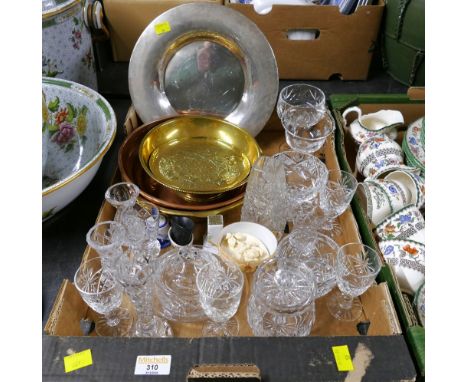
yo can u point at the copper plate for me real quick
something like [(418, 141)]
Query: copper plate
[(132, 171)]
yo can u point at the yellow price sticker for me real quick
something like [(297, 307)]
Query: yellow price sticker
[(162, 28), (78, 360), (343, 358)]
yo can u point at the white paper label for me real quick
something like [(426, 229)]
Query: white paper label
[(153, 365)]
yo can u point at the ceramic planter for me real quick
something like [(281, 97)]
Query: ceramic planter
[(67, 50), (81, 126)]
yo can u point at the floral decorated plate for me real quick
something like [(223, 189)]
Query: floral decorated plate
[(420, 303), (81, 128), (407, 257), (413, 145)]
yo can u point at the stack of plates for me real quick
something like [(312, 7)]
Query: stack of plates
[(191, 166), (413, 145)]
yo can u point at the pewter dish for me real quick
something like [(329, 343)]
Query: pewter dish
[(205, 59)]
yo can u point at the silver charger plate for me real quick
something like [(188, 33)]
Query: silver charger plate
[(201, 58)]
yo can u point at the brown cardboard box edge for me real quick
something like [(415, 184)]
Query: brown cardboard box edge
[(68, 307), (126, 21), (344, 47)]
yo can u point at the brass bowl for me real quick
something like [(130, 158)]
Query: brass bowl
[(198, 157), (153, 192)]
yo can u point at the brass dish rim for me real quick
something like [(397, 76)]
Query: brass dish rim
[(192, 192), (149, 197), (195, 214)]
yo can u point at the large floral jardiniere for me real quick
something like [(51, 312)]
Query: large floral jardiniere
[(81, 127), (67, 50)]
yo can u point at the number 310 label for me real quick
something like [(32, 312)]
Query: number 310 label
[(153, 365)]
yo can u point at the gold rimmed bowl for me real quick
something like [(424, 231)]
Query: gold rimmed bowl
[(153, 192), (199, 158)]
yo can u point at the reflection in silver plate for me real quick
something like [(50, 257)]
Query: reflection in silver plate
[(213, 60)]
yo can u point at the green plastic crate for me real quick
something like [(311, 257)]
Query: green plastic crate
[(413, 331)]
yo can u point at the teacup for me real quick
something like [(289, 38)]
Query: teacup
[(381, 173), (407, 258), (411, 181), (405, 224), (396, 193), (369, 125), (377, 154), (376, 200)]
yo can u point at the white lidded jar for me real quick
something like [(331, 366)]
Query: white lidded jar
[(67, 50)]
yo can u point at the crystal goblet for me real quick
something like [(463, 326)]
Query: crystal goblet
[(357, 268), (106, 239), (103, 293), (306, 177), (282, 301), (316, 251), (301, 109), (134, 271), (123, 197), (220, 285), (332, 201)]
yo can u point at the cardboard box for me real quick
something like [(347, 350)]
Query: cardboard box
[(412, 107), (344, 45), (381, 354), (126, 20)]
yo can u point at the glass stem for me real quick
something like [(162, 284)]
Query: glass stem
[(112, 318), (346, 301)]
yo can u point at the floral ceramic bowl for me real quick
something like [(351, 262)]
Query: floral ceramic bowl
[(81, 126), (408, 260), (407, 223)]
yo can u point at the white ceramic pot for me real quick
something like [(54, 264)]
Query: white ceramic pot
[(413, 182), (369, 125), (67, 50), (82, 127), (405, 224), (396, 194), (408, 260), (377, 154), (377, 203)]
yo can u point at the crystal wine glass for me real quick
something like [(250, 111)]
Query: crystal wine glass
[(134, 271), (220, 285), (301, 109), (103, 293), (306, 177), (357, 268), (332, 201), (316, 251), (106, 239), (123, 197)]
